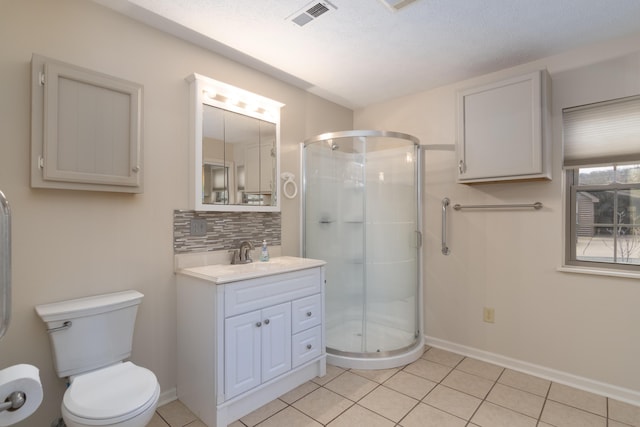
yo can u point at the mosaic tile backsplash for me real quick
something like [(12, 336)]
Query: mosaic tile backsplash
[(225, 230)]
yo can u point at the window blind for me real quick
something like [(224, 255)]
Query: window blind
[(602, 133)]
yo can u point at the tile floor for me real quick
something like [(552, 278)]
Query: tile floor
[(441, 389)]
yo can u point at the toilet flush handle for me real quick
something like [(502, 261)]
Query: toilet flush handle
[(66, 325)]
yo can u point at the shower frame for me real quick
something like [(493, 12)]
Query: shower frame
[(389, 358)]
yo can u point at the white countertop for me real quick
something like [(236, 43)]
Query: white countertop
[(220, 274)]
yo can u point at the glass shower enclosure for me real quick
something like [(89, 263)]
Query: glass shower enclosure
[(361, 214)]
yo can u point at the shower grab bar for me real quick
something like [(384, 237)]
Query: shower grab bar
[(445, 248), (5, 264), (536, 205)]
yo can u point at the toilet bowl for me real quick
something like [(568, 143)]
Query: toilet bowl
[(122, 395), (91, 339)]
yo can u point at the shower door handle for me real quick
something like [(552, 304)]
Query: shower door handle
[(445, 248)]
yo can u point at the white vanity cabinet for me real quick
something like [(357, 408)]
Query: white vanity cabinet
[(248, 334), (503, 130)]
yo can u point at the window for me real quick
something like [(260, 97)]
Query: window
[(602, 172)]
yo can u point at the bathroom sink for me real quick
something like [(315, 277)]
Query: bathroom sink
[(225, 273)]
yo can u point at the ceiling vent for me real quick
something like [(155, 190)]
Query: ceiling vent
[(396, 5), (311, 12)]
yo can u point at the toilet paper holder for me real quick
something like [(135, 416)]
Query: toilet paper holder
[(14, 401)]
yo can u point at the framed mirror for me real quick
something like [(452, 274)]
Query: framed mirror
[(234, 150)]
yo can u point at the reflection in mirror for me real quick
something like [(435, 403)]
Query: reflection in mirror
[(234, 153), (238, 159)]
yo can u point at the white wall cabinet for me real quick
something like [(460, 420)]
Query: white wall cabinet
[(243, 343), (503, 130), (86, 129)]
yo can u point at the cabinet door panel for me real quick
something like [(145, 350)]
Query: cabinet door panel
[(499, 131), (242, 353), (502, 130), (86, 129), (276, 341)]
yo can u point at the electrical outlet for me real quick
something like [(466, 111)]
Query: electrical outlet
[(198, 227), (489, 315)]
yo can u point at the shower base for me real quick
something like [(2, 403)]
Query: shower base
[(395, 351)]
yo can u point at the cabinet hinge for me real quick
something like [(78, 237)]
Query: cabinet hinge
[(41, 162), (461, 167), (41, 78)]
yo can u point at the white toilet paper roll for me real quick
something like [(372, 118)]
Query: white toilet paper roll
[(24, 378)]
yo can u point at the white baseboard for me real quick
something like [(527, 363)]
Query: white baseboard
[(608, 390), (168, 396)]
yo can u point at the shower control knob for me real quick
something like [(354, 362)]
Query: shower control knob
[(259, 324), (308, 346), (308, 314), (266, 322)]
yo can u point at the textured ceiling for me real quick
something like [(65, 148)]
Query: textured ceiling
[(363, 52)]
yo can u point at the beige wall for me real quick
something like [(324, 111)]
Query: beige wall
[(69, 244), (578, 324)]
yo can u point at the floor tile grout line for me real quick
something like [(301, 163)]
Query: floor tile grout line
[(451, 369), (345, 410), (544, 404), (383, 416), (408, 412), (484, 399), (495, 382), (378, 384), (576, 407)]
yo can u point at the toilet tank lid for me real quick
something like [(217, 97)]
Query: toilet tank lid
[(87, 306)]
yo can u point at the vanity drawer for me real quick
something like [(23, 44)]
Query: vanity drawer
[(306, 346), (306, 313), (253, 294)]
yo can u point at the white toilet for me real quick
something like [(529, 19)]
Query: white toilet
[(91, 337)]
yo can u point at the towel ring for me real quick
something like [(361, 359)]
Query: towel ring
[(287, 177)]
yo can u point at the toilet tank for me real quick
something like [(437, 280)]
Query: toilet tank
[(99, 334)]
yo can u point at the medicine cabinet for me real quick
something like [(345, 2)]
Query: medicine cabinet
[(234, 152), (86, 129)]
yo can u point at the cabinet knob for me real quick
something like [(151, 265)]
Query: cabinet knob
[(266, 322), (308, 346), (135, 169), (308, 314), (259, 324)]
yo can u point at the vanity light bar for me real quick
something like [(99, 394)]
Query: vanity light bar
[(235, 101)]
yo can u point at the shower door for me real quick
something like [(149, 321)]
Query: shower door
[(361, 216)]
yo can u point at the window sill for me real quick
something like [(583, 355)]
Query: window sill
[(599, 271)]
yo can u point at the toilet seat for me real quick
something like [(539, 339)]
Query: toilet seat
[(111, 395)]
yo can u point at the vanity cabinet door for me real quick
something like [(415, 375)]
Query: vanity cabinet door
[(242, 352), (257, 347), (276, 341)]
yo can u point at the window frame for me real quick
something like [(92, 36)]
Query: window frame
[(572, 188)]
